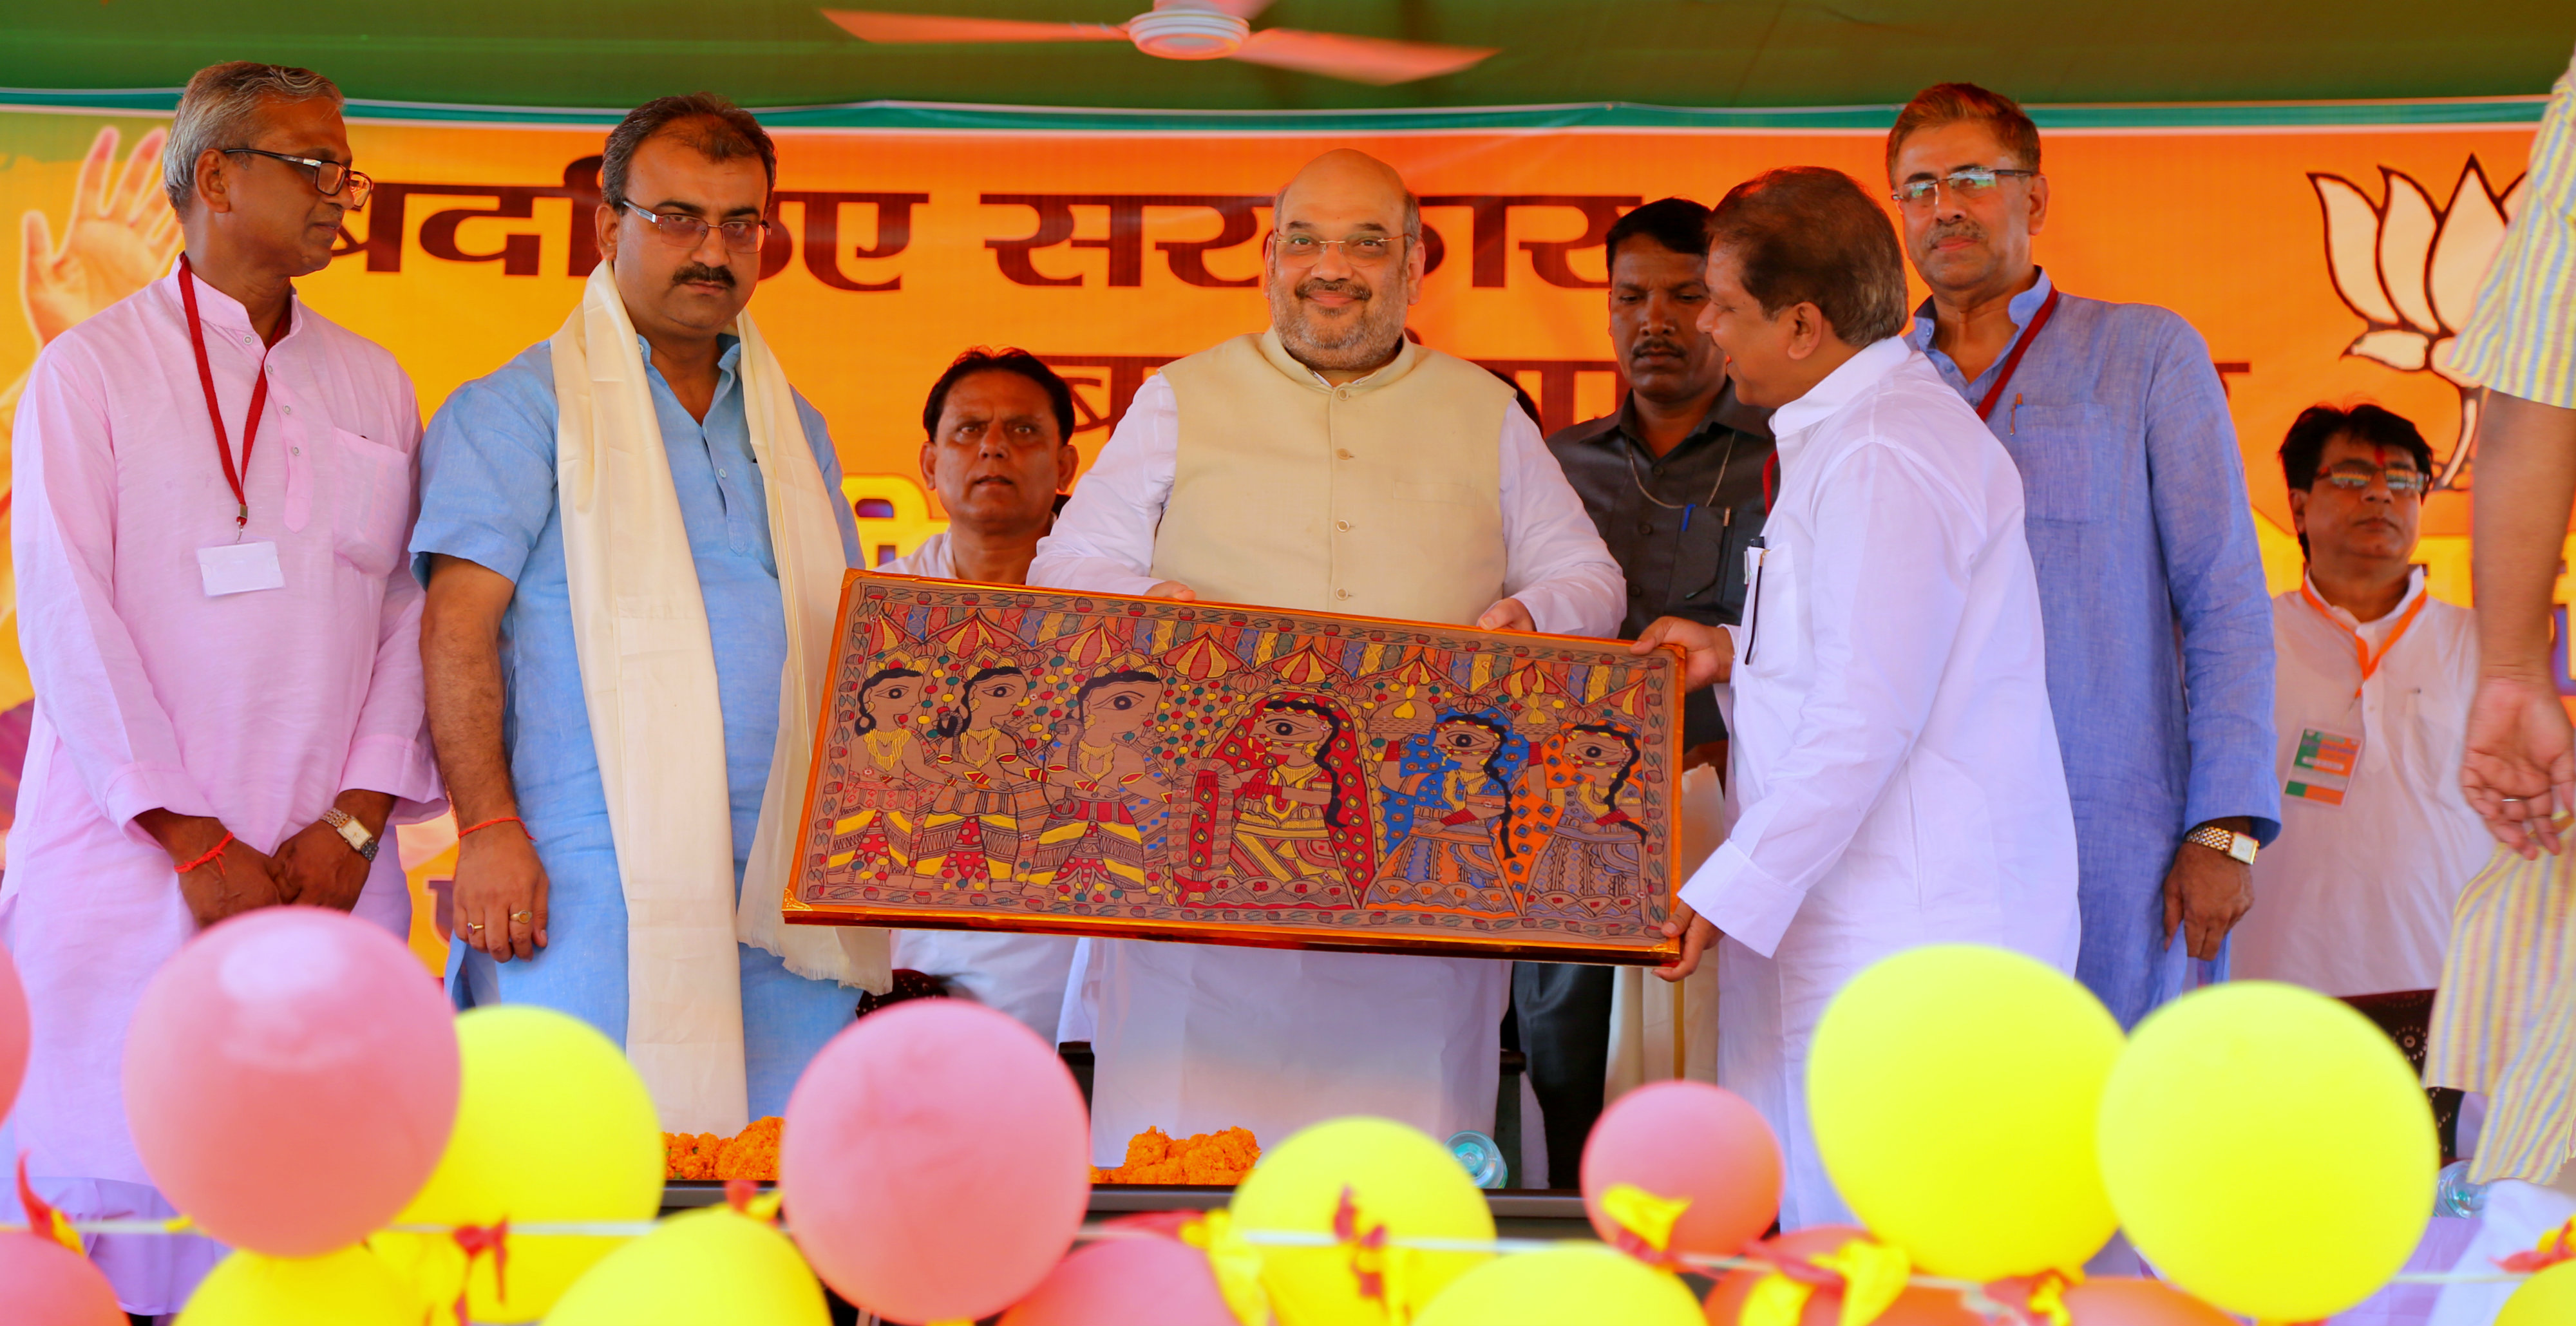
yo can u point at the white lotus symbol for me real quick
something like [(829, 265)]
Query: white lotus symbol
[(2411, 271)]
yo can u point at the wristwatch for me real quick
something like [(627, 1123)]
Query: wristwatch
[(2238, 845), (365, 843)]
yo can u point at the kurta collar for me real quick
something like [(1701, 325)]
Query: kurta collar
[(1841, 387), (2342, 616), (220, 312), (1407, 354), (2020, 308)]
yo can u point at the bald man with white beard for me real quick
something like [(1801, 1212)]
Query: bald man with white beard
[(1328, 465)]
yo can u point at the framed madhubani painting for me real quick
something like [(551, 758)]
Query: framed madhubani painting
[(1022, 759)]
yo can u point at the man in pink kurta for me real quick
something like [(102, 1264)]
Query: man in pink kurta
[(277, 702)]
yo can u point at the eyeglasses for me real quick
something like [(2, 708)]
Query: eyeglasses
[(682, 231), (1966, 182), (329, 177), (1360, 250), (2355, 475)]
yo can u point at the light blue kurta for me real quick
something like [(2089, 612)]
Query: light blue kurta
[(2152, 600), (488, 496)]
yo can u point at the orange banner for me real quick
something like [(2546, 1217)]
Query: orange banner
[(2322, 264)]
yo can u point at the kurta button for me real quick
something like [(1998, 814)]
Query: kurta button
[(1343, 454), (1645, 527), (1343, 525), (1341, 395), (1341, 593), (288, 408)]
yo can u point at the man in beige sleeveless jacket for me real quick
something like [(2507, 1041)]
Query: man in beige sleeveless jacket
[(1329, 465)]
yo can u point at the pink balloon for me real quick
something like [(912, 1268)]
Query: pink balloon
[(43, 1283), (291, 1078), (1129, 1281), (13, 1034), (936, 1161), (1693, 1140)]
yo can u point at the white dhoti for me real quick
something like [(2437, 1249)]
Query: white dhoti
[(1193, 1038)]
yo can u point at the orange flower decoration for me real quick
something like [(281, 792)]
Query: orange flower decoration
[(749, 1154), (1220, 1159)]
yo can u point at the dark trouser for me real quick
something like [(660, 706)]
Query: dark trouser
[(1564, 1014), (2407, 1017)]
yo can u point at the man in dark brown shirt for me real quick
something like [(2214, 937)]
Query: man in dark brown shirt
[(1675, 482)]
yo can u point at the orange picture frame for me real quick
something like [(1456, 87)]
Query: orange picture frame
[(997, 757)]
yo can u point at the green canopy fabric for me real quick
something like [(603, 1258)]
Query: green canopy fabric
[(1681, 53)]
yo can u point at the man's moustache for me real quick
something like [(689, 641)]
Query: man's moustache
[(1355, 289), (698, 271), (1954, 230), (1652, 346)]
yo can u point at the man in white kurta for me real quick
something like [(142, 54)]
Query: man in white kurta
[(227, 675), (1895, 773), (1328, 464)]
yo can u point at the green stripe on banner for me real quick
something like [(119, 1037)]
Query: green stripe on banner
[(952, 117)]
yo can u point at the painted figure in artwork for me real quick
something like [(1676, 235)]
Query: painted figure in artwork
[(1104, 835), (973, 837), (1575, 843), (873, 838), (1283, 808), (1445, 797)]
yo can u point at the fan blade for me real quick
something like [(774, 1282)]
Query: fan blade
[(1357, 59), (867, 25)]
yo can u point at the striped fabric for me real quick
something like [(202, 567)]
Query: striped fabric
[(2522, 338), (2505, 1020)]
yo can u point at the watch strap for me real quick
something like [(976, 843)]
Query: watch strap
[(360, 841), (2218, 839)]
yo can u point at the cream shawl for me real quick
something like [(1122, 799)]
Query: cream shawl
[(648, 677)]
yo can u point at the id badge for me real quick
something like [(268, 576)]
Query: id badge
[(238, 568), (2322, 766)]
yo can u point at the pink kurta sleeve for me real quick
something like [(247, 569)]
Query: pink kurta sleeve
[(389, 751), (80, 656)]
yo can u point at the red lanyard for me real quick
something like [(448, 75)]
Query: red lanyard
[(2013, 361), (214, 413), (2369, 661)]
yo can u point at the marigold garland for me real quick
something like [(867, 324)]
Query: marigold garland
[(749, 1154), (1220, 1158)]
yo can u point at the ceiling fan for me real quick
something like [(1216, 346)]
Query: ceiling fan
[(1190, 30)]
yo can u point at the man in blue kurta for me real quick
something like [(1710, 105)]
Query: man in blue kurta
[(548, 515), (2151, 586)]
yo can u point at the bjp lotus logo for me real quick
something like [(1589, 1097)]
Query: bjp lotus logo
[(2411, 270)]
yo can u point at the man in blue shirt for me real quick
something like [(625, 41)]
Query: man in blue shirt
[(2151, 588), (541, 902)]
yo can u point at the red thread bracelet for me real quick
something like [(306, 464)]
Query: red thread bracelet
[(500, 819), (216, 854)]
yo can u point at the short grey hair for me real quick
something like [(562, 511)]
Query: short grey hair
[(221, 110), (1412, 212)]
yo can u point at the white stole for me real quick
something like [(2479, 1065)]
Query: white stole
[(649, 682)]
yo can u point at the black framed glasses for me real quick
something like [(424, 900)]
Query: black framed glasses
[(682, 231), (1965, 182), (329, 177), (2353, 476)]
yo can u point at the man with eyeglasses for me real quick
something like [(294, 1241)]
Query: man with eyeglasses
[(1328, 464), (634, 542), (2370, 703), (213, 485), (2151, 587)]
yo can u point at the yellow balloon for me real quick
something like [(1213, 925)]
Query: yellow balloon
[(2268, 1150), (1580, 1284), (2546, 1299), (1398, 1179), (552, 1125), (705, 1268), (1953, 1090), (345, 1288)]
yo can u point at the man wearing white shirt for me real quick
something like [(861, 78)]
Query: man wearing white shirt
[(2370, 701), (1896, 779), (1328, 464), (994, 449)]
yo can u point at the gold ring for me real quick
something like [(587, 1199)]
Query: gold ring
[(474, 925), (523, 916)]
